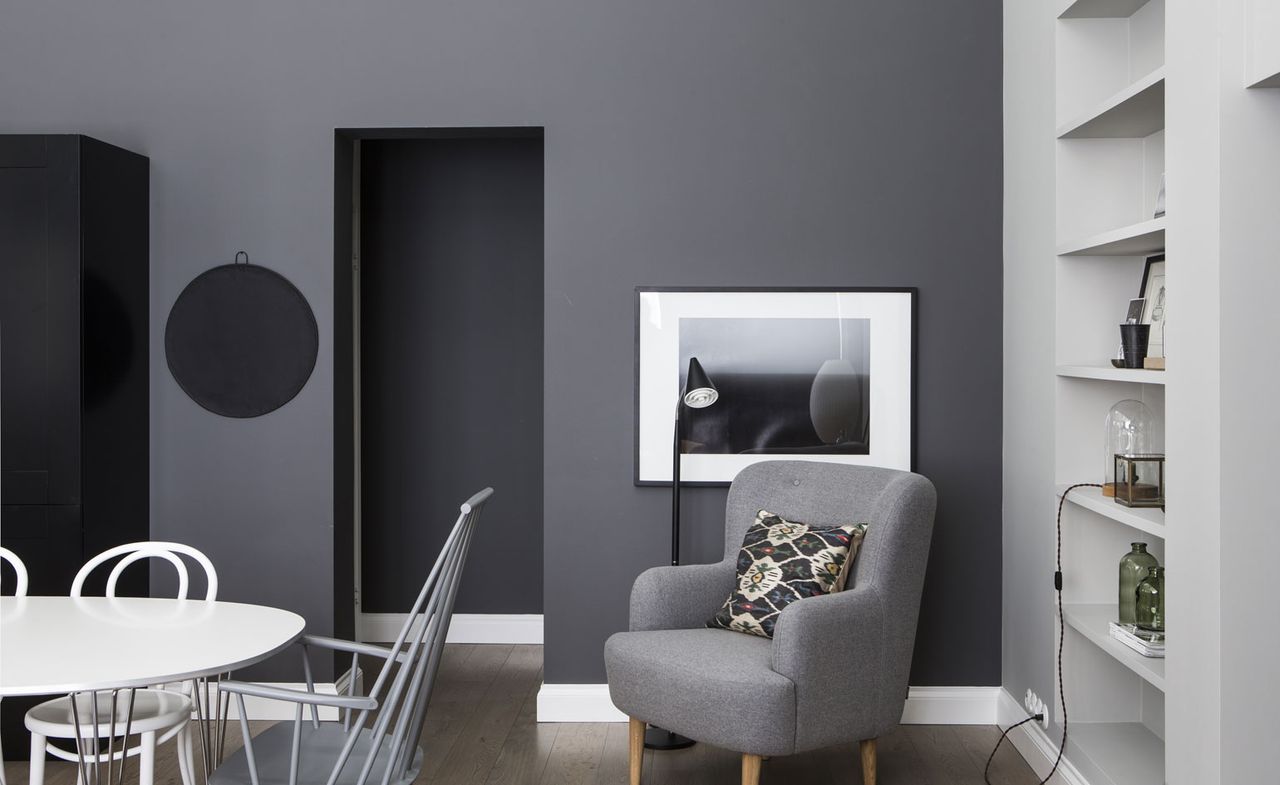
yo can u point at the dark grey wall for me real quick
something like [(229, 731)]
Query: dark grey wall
[(451, 379), (724, 142)]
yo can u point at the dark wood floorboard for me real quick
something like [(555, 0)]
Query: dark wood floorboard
[(482, 729)]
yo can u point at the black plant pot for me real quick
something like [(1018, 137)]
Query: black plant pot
[(1134, 339)]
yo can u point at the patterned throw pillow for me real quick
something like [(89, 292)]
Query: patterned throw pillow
[(783, 561)]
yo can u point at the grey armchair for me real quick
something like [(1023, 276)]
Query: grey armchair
[(836, 670)]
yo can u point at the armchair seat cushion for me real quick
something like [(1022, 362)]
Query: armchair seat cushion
[(711, 685)]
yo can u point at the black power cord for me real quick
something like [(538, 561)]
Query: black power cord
[(1062, 695)]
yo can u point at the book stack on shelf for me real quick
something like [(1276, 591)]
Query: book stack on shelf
[(1144, 642)]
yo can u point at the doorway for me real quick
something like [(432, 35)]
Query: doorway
[(438, 385)]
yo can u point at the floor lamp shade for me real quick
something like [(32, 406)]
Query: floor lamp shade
[(699, 392)]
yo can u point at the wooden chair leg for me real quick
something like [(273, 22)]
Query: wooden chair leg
[(750, 769), (868, 749), (636, 754)]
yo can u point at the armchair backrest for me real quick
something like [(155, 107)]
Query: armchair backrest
[(897, 506)]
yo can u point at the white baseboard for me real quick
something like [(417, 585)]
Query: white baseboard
[(1034, 744), (464, 627), (951, 706), (925, 705), (577, 703)]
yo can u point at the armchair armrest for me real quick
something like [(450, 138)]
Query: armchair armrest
[(679, 598), (299, 696), (833, 648)]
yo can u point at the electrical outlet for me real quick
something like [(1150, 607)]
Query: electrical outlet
[(1034, 706)]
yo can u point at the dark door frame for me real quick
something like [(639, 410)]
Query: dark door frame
[(346, 143)]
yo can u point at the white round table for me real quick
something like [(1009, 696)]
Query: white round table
[(60, 645)]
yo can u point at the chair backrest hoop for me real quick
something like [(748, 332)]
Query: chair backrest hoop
[(20, 569), (137, 551)]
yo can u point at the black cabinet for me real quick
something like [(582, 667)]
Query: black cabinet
[(74, 420), (74, 415)]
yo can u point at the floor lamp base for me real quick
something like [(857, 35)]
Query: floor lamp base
[(656, 738)]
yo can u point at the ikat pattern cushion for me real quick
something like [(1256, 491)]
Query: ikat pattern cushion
[(783, 561)]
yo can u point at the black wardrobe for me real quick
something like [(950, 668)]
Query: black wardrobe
[(74, 436)]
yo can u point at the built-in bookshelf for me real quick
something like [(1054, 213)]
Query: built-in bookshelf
[(1262, 44), (1110, 103)]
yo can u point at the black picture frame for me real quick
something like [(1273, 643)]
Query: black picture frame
[(912, 363), (1151, 306)]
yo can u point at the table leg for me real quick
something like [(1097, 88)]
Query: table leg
[(211, 713), (89, 756)]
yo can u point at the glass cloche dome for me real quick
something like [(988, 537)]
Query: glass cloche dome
[(1131, 429)]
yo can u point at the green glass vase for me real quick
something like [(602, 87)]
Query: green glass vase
[(1149, 610), (1133, 568)]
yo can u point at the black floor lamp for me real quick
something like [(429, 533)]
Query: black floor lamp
[(698, 393)]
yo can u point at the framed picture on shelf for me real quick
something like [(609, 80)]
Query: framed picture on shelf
[(1154, 309), (801, 373), (1134, 314)]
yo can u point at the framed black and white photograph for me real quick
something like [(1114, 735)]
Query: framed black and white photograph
[(1134, 314), (1154, 309), (812, 374)]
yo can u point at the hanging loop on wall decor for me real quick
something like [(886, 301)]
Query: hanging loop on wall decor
[(241, 340)]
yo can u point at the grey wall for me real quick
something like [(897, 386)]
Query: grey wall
[(727, 142)]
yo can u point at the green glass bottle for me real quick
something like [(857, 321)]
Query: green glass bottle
[(1133, 568), (1150, 605)]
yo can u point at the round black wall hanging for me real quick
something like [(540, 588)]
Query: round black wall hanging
[(241, 340)]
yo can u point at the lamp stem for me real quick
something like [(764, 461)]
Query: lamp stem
[(675, 490)]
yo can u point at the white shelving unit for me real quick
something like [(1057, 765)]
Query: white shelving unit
[(1109, 373), (1144, 237), (1148, 520), (1272, 80), (1128, 753), (1262, 44), (1135, 111), (1110, 98), (1099, 9), (1091, 621)]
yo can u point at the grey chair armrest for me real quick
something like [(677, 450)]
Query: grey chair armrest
[(299, 696), (679, 598), (832, 648), (337, 644)]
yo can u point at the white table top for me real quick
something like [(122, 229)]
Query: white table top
[(58, 645)]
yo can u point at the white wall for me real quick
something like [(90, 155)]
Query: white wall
[(1193, 734), (1029, 231), (1249, 125)]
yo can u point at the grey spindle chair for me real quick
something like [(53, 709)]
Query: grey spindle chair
[(378, 744)]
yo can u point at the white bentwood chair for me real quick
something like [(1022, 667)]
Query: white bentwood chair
[(154, 715), (19, 590)]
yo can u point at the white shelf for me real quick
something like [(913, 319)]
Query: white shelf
[(1267, 81), (1107, 373), (1100, 9), (1091, 621), (1138, 239), (1127, 753), (1134, 112), (1149, 520)]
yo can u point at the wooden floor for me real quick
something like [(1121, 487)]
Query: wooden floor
[(481, 728)]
